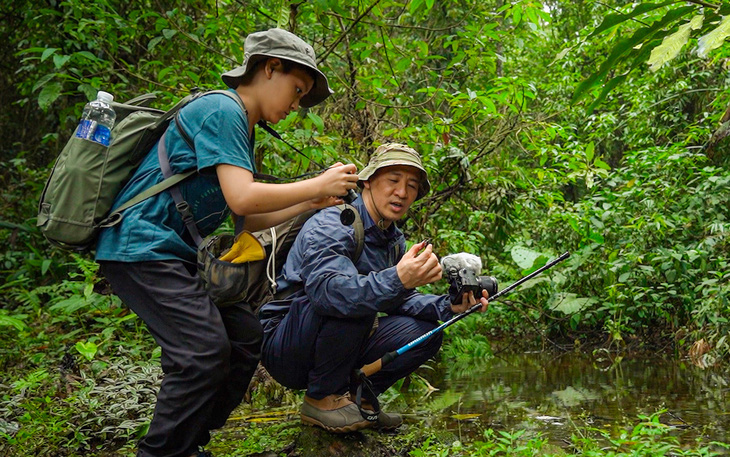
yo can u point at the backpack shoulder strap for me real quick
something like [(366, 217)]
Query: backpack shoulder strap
[(359, 236), (116, 216), (170, 180), (359, 228), (172, 112)]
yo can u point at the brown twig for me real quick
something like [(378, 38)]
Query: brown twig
[(701, 3), (342, 36), (414, 27)]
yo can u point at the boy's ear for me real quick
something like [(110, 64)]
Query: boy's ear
[(272, 64)]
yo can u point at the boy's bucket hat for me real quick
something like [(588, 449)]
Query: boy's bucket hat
[(284, 45), (390, 154)]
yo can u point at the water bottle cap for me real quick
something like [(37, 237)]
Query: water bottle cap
[(105, 97)]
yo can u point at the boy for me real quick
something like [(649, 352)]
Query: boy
[(209, 354)]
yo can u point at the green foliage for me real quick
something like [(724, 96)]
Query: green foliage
[(483, 90), (713, 24), (647, 437), (79, 414)]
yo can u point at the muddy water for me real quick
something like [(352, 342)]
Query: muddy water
[(552, 394)]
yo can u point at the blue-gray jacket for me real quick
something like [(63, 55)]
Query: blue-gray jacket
[(320, 259)]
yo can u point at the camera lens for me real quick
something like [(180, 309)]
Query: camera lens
[(488, 283)]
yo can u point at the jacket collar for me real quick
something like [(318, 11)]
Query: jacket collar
[(390, 233)]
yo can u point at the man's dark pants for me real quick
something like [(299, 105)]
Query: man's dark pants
[(318, 353), (208, 354)]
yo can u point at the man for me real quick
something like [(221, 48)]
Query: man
[(330, 325)]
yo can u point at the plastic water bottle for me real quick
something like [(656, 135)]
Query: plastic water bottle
[(97, 119)]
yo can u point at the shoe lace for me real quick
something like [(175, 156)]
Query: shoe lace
[(344, 398)]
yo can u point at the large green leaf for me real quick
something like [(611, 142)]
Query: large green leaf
[(608, 87), (569, 303), (672, 44), (614, 19), (317, 121), (43, 80), (48, 95), (714, 39), (12, 321), (415, 6), (87, 349), (525, 257), (628, 46), (69, 305), (48, 52)]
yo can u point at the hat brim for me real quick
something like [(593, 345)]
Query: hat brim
[(319, 92), (366, 173)]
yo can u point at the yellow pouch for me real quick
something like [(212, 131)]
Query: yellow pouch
[(245, 248)]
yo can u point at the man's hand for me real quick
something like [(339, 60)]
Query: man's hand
[(416, 269), (468, 301)]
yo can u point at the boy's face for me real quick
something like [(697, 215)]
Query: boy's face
[(285, 92), (392, 191)]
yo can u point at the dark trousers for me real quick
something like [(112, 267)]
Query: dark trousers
[(208, 354), (318, 353)]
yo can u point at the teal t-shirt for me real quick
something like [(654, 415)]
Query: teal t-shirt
[(153, 229)]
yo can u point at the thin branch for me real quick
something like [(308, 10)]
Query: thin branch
[(705, 4), (123, 66), (387, 59), (357, 95), (342, 37), (621, 12), (682, 93), (200, 43), (413, 27)]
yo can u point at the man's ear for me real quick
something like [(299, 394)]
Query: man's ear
[(366, 184)]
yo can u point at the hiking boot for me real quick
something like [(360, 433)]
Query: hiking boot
[(334, 413), (386, 421)]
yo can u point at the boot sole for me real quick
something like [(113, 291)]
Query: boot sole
[(312, 422)]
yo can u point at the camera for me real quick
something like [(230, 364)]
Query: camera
[(465, 280), (350, 197)]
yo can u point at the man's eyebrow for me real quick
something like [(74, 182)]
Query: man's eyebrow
[(401, 173)]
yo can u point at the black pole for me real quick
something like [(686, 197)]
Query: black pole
[(376, 366)]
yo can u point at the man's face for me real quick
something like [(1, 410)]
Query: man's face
[(393, 190)]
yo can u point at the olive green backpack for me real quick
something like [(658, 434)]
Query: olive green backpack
[(87, 176)]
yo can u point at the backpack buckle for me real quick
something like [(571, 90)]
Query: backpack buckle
[(184, 209)]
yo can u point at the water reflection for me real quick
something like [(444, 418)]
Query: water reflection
[(553, 394)]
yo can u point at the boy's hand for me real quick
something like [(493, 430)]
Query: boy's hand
[(338, 179), (324, 202), (416, 269)]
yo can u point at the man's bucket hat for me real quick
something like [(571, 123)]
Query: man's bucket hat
[(390, 154), (284, 45)]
